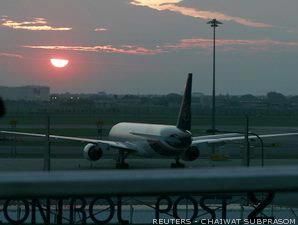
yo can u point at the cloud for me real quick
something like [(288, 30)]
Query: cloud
[(36, 24), (10, 55), (207, 43), (100, 29), (172, 5), (124, 49), (184, 44)]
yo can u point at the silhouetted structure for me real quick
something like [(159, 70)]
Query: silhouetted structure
[(29, 93), (2, 108)]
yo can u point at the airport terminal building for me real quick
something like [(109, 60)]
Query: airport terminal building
[(28, 93)]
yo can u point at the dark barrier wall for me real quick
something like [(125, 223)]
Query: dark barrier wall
[(2, 108)]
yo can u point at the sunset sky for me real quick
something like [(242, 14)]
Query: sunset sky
[(149, 46)]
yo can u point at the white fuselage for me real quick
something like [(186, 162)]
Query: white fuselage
[(152, 139)]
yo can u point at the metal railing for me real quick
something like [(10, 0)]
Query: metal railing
[(147, 182)]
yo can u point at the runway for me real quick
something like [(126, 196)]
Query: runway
[(21, 164)]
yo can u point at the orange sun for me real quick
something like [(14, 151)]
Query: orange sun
[(59, 63)]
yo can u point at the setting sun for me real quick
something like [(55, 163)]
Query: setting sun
[(59, 63)]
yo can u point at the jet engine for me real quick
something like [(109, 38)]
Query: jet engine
[(92, 152), (191, 154)]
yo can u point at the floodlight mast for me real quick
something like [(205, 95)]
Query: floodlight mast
[(213, 23)]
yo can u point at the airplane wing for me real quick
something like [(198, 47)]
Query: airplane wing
[(234, 137), (114, 144)]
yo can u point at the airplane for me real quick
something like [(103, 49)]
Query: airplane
[(151, 140)]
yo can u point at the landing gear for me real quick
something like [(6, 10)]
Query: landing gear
[(177, 164), (121, 164)]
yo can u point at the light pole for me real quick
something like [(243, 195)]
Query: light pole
[(247, 133), (213, 23), (99, 125)]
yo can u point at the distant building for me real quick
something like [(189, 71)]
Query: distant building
[(29, 93), (101, 93), (197, 94)]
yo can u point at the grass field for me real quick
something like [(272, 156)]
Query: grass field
[(169, 118)]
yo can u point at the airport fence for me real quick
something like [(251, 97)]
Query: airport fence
[(149, 196)]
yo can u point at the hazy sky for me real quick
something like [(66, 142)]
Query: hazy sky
[(149, 46)]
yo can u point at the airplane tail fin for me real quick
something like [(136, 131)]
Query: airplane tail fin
[(184, 119)]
